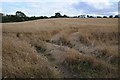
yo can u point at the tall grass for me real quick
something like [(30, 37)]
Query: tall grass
[(20, 60), (88, 66), (98, 45)]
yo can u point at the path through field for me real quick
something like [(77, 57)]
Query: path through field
[(81, 48)]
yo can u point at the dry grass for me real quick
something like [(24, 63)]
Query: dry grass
[(25, 48), (88, 66), (20, 60), (97, 36), (47, 24)]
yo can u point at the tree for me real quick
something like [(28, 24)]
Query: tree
[(88, 16), (111, 16), (91, 17), (52, 17), (75, 16), (104, 16), (20, 14), (57, 15), (116, 16), (99, 17), (1, 14), (65, 16)]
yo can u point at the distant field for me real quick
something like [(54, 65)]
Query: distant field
[(62, 47), (53, 24)]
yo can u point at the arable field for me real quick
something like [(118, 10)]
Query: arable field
[(61, 48)]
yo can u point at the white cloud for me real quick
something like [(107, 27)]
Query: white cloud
[(40, 1), (116, 13), (61, 1), (100, 4), (49, 7), (0, 7)]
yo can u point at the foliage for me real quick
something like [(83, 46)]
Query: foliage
[(20, 16)]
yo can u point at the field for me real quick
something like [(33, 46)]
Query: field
[(61, 48)]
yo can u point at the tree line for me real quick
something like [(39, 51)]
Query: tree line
[(20, 16)]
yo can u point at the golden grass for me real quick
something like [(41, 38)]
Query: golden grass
[(23, 41), (99, 35), (88, 66), (47, 24), (22, 61)]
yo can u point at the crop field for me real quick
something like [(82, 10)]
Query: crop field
[(61, 48)]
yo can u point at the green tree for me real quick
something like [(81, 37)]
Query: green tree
[(20, 14), (111, 16), (57, 15)]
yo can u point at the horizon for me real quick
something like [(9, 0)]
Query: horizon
[(71, 8), (95, 16)]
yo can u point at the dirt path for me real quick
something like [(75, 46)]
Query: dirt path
[(56, 56), (78, 45)]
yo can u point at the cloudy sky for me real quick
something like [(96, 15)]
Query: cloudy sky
[(68, 7)]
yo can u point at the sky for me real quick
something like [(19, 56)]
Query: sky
[(68, 7)]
